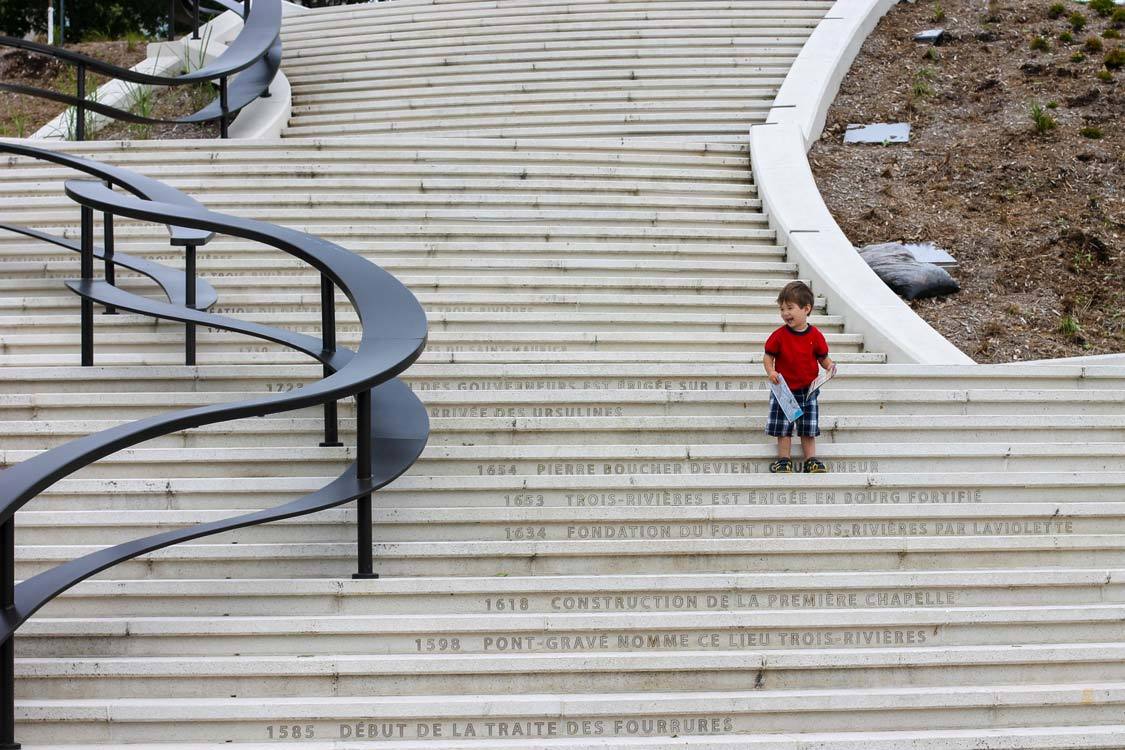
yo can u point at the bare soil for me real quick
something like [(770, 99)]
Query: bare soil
[(23, 115), (1034, 219)]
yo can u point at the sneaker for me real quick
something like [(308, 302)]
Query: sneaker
[(782, 466), (815, 466)]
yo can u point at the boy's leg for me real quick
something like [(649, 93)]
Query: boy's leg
[(808, 446), (785, 446)]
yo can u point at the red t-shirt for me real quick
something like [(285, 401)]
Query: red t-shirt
[(797, 353)]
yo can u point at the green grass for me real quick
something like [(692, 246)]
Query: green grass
[(1042, 121), (1115, 58), (1103, 8), (1056, 10), (1092, 44), (1069, 327), (1077, 21), (1040, 43), (1091, 132)]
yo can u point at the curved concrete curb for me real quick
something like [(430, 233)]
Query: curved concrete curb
[(797, 211)]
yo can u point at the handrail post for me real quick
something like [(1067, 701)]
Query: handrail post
[(328, 336), (223, 106), (7, 649), (245, 9), (195, 19), (87, 275), (189, 302), (172, 20), (107, 244), (80, 114), (363, 474)]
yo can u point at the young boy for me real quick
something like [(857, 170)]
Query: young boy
[(793, 351)]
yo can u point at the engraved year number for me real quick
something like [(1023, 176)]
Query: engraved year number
[(510, 604), (290, 731), (493, 470), (524, 500), (526, 532), (437, 644)]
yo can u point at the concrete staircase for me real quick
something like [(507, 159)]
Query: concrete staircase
[(589, 553)]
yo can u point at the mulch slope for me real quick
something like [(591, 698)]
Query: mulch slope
[(21, 115), (1035, 220)]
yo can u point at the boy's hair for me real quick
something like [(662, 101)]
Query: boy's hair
[(798, 293)]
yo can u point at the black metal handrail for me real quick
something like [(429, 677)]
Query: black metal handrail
[(244, 70), (393, 335)]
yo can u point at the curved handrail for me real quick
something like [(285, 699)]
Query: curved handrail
[(251, 61), (168, 279), (393, 332), (137, 184), (261, 30)]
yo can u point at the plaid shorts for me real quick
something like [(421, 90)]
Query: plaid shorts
[(806, 426)]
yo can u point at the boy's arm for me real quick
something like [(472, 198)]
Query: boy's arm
[(769, 361), (824, 360)]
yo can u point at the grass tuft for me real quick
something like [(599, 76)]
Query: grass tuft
[(1043, 121)]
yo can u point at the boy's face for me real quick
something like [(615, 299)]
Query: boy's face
[(794, 315)]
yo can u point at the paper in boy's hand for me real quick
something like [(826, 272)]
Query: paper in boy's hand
[(785, 400), (823, 378)]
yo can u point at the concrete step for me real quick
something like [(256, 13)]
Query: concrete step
[(956, 524), (544, 274), (709, 256), (592, 463), (515, 300), (509, 633), (593, 403), (593, 733), (685, 376), (700, 485), (756, 593), (633, 556), (659, 430), (481, 348), (362, 675)]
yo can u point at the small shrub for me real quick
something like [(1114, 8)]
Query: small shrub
[(1077, 22), (1077, 57), (932, 54), (1111, 34), (921, 89), (1091, 132), (1066, 37), (1093, 44), (1056, 10), (1118, 18), (1040, 44), (1104, 75), (939, 13), (1052, 105), (1069, 327), (1043, 121), (1115, 58), (133, 39), (1102, 7)]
